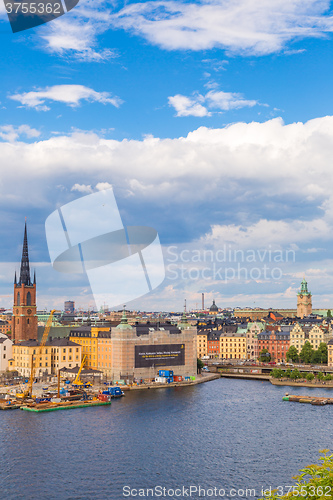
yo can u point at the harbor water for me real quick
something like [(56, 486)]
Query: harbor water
[(225, 437)]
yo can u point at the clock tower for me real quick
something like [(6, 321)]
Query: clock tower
[(304, 301), (24, 322)]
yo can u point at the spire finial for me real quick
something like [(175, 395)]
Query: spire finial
[(25, 266)]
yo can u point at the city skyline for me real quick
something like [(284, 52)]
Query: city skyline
[(211, 139)]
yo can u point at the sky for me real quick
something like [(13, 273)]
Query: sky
[(212, 121)]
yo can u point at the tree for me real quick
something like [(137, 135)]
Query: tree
[(306, 352), (277, 373), (287, 373), (200, 365), (322, 350), (329, 313), (320, 376), (295, 374), (292, 354), (314, 482), (328, 377), (264, 356), (309, 377)]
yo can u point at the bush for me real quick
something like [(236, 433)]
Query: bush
[(314, 482)]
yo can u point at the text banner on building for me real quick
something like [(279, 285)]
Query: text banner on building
[(159, 355)]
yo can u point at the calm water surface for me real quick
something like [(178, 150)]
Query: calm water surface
[(225, 434)]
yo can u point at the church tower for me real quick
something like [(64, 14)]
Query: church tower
[(304, 301), (24, 323)]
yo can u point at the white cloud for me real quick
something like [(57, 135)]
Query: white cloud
[(213, 100), (82, 188), (248, 185), (77, 37), (248, 27), (188, 107), (10, 133), (67, 94), (240, 26)]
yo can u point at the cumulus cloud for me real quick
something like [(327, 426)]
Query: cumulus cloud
[(256, 186), (10, 133), (67, 94), (200, 105), (252, 27)]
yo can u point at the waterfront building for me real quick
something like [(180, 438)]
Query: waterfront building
[(202, 344), (213, 344), (315, 334), (127, 352), (253, 329), (24, 322), (87, 338), (232, 345), (55, 355), (330, 353), (276, 342), (304, 301), (5, 352)]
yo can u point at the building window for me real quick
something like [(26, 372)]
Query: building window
[(28, 299), (18, 299)]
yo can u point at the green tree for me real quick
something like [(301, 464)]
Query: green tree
[(329, 313), (200, 365), (277, 373), (287, 373), (295, 374), (328, 377), (306, 352), (292, 354), (314, 482), (322, 350), (309, 377), (264, 356), (320, 376)]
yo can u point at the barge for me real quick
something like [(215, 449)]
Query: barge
[(313, 400), (64, 405)]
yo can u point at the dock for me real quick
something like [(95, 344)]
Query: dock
[(313, 400)]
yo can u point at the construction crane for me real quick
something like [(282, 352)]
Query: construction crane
[(34, 364), (77, 380)]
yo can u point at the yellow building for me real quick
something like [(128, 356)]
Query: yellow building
[(315, 334), (57, 354), (330, 353), (202, 349), (233, 345), (87, 338)]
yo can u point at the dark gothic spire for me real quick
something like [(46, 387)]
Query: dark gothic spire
[(25, 267), (15, 279)]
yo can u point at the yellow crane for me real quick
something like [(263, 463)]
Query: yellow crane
[(77, 380), (34, 363)]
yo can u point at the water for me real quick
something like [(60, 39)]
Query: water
[(225, 434)]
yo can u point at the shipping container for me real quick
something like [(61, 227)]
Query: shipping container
[(161, 380), (177, 378), (165, 373), (187, 378), (104, 397)]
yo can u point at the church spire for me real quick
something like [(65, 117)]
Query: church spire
[(25, 266)]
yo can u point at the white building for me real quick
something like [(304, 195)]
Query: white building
[(5, 352)]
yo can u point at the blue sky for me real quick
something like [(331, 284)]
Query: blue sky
[(212, 121)]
